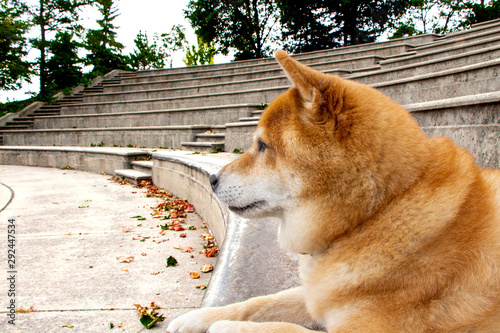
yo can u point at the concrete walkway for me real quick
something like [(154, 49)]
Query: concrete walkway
[(71, 230)]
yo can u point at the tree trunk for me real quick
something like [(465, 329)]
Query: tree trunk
[(43, 70)]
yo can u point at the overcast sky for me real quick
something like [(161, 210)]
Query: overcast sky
[(147, 15)]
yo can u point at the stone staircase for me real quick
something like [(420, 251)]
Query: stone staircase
[(450, 83)]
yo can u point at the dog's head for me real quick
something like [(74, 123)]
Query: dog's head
[(326, 155)]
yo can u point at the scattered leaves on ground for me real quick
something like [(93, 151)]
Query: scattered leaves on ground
[(171, 262), (22, 310), (194, 275), (148, 316), (207, 268), (187, 249), (125, 259)]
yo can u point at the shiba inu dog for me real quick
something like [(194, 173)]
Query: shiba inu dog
[(396, 232)]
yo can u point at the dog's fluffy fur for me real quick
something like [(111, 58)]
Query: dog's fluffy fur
[(397, 232)]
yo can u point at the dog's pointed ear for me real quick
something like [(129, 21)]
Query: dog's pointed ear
[(304, 78)]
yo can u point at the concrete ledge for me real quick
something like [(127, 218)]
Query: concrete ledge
[(430, 55), (152, 136), (428, 66), (183, 116), (209, 78), (382, 49), (482, 141), (85, 159), (239, 135), (132, 174), (264, 95)]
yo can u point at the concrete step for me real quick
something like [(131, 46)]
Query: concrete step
[(480, 109), (255, 118), (429, 66), (216, 88), (207, 147), (485, 23), (20, 122), (43, 114), (210, 137), (250, 66), (203, 88), (476, 29), (431, 55), (462, 40), (254, 96), (14, 127), (193, 82), (477, 78), (133, 175), (143, 166), (466, 80), (377, 48), (151, 136), (219, 114)]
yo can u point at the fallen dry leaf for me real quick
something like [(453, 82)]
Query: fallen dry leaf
[(187, 249), (125, 259), (194, 275), (211, 252), (21, 310), (207, 268), (207, 237)]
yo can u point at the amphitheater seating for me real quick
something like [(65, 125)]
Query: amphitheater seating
[(212, 107)]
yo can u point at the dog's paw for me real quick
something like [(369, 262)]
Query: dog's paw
[(228, 326), (195, 321)]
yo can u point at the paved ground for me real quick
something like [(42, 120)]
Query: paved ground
[(70, 228)]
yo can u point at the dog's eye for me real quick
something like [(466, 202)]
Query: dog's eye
[(261, 146)]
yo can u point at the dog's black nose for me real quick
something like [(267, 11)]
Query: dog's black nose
[(214, 181)]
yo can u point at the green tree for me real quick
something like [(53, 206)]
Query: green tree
[(52, 16), (203, 55), (105, 52), (248, 26), (148, 55), (480, 11), (316, 25), (431, 16), (63, 68), (13, 46)]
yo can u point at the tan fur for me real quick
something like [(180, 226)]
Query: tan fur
[(398, 232)]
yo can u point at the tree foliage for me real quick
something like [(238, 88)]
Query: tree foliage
[(105, 52), (52, 16), (430, 16), (155, 55), (247, 26), (316, 25), (201, 55), (64, 66), (13, 46), (480, 12)]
